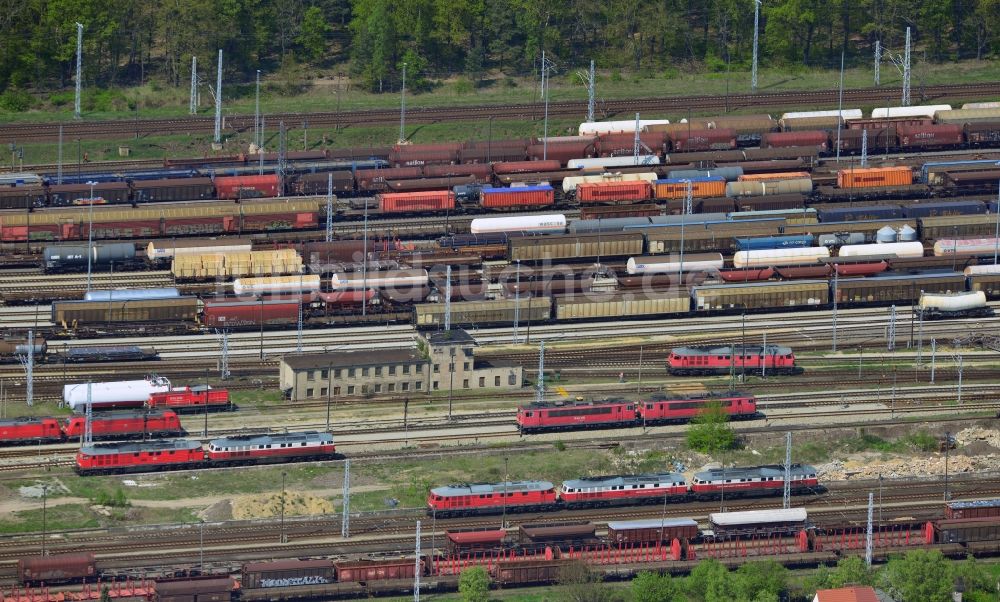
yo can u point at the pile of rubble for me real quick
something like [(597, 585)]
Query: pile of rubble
[(976, 434), (870, 466)]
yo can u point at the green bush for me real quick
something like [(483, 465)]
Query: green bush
[(62, 99), (103, 101), (16, 100), (113, 500), (464, 86)]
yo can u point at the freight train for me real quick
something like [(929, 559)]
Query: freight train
[(625, 413), (153, 393), (129, 424), (178, 454), (542, 496), (535, 553)]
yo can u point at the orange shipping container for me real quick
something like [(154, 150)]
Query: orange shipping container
[(700, 188), (765, 177), (874, 176), (597, 192), (431, 200)]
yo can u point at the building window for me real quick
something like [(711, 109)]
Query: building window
[(378, 388), (436, 385), (482, 382), (336, 391), (309, 392), (352, 373), (364, 389), (392, 387), (406, 369), (465, 366), (406, 386), (323, 391), (437, 368), (310, 375), (338, 373), (350, 389), (325, 373), (364, 371), (465, 383), (496, 381), (512, 379), (378, 371), (419, 385), (420, 369), (392, 371)]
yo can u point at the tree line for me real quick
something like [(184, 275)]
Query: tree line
[(130, 41)]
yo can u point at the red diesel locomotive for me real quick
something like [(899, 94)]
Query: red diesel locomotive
[(150, 456), (126, 424), (706, 361), (196, 400), (486, 498), (756, 481), (611, 413)]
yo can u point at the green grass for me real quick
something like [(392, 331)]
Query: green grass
[(64, 516), (257, 397), (813, 452), (158, 100)]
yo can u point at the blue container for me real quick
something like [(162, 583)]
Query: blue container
[(731, 174), (774, 242), (861, 213), (944, 209), (132, 294)]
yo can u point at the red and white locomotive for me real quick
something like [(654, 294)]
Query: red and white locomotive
[(705, 361), (624, 413), (491, 498), (150, 456), (756, 481), (623, 490)]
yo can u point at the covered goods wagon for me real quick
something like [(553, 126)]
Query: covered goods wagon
[(562, 247), (760, 295), (533, 309)]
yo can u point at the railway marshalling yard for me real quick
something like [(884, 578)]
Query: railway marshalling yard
[(864, 415)]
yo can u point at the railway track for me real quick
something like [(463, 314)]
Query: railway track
[(38, 132)]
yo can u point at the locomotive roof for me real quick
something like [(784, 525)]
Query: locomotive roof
[(23, 420), (535, 405), (756, 517), (652, 523), (105, 449), (771, 470), (698, 396), (727, 349), (124, 414), (975, 504), (272, 439), (612, 480), (485, 488)]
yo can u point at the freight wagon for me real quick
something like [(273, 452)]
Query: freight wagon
[(760, 296), (565, 247), (884, 289), (480, 313)]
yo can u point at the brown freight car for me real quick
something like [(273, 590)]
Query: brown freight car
[(209, 589), (22, 197), (518, 572), (761, 295), (563, 247), (316, 183), (652, 530), (566, 534), (933, 228), (170, 190), (178, 309), (905, 288), (56, 568), (704, 237), (285, 573), (111, 193), (377, 570)]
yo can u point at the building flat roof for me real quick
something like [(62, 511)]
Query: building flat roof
[(352, 359), (455, 336)]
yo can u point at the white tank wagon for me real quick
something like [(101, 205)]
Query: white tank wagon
[(927, 111), (901, 250), (769, 187), (126, 393), (763, 258), (671, 264), (982, 270), (624, 126), (845, 114), (936, 306), (606, 162), (164, 250), (569, 184), (519, 223), (278, 284), (394, 279), (966, 246)]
